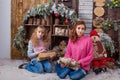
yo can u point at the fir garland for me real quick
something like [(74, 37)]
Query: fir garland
[(47, 9)]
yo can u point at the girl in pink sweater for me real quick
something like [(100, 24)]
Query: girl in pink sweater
[(80, 49)]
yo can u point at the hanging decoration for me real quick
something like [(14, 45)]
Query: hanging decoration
[(110, 24), (66, 20), (47, 9), (56, 14), (112, 3)]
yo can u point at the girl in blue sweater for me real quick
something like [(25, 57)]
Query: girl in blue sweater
[(38, 43)]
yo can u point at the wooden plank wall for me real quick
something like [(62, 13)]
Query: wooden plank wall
[(85, 12), (18, 10)]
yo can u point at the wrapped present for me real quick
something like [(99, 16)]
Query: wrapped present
[(72, 64), (46, 55)]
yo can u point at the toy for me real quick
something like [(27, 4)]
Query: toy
[(72, 64), (62, 45), (60, 49), (100, 55), (46, 55)]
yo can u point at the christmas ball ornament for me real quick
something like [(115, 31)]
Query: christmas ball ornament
[(109, 25), (66, 21), (108, 4), (56, 14), (105, 23)]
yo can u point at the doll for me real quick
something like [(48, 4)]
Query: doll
[(61, 48), (100, 55)]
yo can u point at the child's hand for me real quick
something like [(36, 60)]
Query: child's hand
[(52, 56), (62, 65), (41, 51)]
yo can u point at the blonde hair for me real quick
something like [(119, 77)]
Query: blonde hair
[(45, 38)]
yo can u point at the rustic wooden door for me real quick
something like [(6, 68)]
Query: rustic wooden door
[(18, 10)]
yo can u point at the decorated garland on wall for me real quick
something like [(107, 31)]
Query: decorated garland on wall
[(42, 10), (47, 9), (110, 24)]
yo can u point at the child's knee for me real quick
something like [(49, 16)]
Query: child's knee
[(62, 76), (78, 75), (48, 68)]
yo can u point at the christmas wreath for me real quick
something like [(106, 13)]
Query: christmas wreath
[(19, 41), (42, 10)]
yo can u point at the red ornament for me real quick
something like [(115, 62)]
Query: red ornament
[(66, 21), (56, 14)]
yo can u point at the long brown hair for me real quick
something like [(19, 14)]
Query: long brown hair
[(45, 38), (73, 35)]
